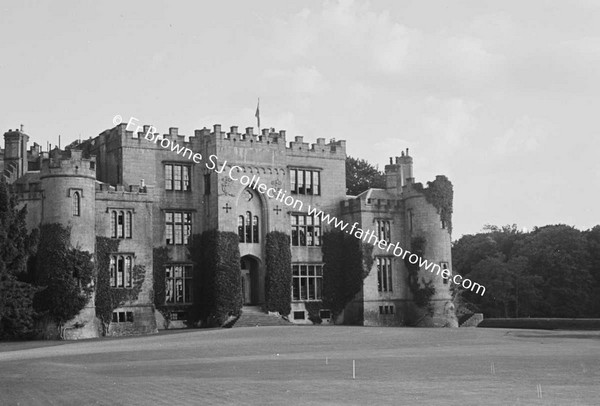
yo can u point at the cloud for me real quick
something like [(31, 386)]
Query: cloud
[(448, 122), (299, 80), (525, 135)]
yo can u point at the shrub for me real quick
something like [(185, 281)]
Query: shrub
[(347, 262), (278, 279), (219, 283)]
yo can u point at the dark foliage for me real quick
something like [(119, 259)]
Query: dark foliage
[(104, 247), (440, 193), (16, 246), (361, 175), (107, 297), (314, 311), (278, 278), (160, 257), (549, 272), (219, 284), (422, 290), (346, 263), (64, 272)]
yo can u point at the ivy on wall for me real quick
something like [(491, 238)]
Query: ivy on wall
[(107, 297), (65, 273), (278, 278), (422, 291), (347, 261), (218, 288), (160, 257), (440, 194), (314, 309)]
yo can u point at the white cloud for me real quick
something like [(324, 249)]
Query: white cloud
[(525, 135), (299, 80), (448, 122)]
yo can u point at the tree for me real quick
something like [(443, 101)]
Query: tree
[(559, 255), (549, 272), (16, 294), (361, 175), (593, 240)]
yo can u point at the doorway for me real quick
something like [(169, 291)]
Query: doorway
[(249, 276)]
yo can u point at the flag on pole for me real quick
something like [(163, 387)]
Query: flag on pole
[(257, 114)]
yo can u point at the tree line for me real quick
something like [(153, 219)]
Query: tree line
[(552, 271)]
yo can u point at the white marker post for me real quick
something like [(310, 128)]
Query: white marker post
[(353, 369)]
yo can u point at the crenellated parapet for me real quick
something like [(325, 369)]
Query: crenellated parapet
[(142, 192), (358, 204), (69, 162), (147, 136)]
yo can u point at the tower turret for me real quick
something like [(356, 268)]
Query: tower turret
[(398, 171), (15, 154), (68, 182)]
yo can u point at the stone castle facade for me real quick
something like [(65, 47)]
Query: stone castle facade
[(121, 186)]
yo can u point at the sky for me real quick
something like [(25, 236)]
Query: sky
[(498, 96)]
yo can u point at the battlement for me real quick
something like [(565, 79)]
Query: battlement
[(370, 205), (138, 193), (248, 138), (69, 162)]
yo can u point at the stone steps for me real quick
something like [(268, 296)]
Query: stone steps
[(253, 316)]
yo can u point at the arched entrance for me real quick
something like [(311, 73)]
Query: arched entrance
[(249, 275)]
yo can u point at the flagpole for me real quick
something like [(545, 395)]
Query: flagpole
[(257, 114)]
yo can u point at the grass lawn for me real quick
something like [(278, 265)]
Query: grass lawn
[(309, 365)]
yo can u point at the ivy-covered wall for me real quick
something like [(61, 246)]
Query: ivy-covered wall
[(347, 261), (422, 290), (107, 297), (278, 278), (440, 194), (218, 291), (160, 257), (65, 273)]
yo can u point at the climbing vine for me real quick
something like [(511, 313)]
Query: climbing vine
[(278, 278), (347, 261), (107, 297), (219, 284), (440, 194), (421, 294), (160, 257), (314, 309), (64, 271)]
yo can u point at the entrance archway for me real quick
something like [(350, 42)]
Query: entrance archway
[(249, 275)]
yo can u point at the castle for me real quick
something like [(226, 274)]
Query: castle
[(120, 186)]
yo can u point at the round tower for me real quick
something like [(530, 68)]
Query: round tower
[(68, 184), (424, 220)]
